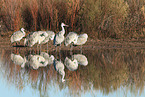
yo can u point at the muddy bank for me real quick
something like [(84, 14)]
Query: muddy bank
[(91, 44)]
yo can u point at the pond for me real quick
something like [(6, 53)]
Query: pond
[(108, 73)]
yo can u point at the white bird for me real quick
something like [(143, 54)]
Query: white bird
[(82, 38), (18, 60), (27, 39), (82, 59), (36, 61), (59, 37), (35, 37), (18, 35), (71, 38), (74, 39), (59, 67), (71, 64), (48, 58), (50, 36), (30, 39)]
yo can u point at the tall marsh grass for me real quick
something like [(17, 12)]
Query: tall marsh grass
[(98, 18)]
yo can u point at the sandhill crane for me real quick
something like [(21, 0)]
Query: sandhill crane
[(59, 37), (18, 35), (18, 60), (82, 60), (82, 38), (75, 39), (59, 67), (50, 36), (71, 64), (35, 37), (31, 39), (49, 58), (36, 61), (71, 38)]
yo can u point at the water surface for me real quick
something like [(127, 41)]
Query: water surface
[(109, 73)]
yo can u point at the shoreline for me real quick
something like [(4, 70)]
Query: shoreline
[(91, 44)]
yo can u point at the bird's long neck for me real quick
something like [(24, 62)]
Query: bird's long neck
[(63, 78), (23, 32), (63, 30)]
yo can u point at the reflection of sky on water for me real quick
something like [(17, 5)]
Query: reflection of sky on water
[(10, 90)]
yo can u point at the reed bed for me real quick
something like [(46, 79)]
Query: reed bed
[(98, 18)]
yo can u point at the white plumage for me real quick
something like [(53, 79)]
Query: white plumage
[(36, 61), (30, 39), (71, 38), (82, 60), (76, 39), (82, 38), (59, 67), (18, 35), (41, 36), (35, 37), (18, 60), (59, 37), (48, 58), (50, 36), (71, 64)]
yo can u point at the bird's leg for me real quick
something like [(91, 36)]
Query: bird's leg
[(19, 43), (56, 52), (59, 47), (16, 50), (81, 49), (60, 56), (55, 49), (30, 50), (19, 50), (37, 49), (34, 51), (16, 44), (47, 47), (40, 47), (71, 47)]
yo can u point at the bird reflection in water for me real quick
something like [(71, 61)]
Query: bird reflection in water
[(107, 71), (18, 60), (36, 61)]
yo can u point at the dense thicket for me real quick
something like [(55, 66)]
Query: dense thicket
[(98, 18)]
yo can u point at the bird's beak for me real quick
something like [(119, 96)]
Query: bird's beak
[(66, 25), (26, 30)]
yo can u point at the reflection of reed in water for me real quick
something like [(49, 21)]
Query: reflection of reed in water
[(108, 70)]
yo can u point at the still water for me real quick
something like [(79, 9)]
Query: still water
[(108, 73)]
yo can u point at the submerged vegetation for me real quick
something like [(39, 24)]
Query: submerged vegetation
[(107, 71), (98, 18)]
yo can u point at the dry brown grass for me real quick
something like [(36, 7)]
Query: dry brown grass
[(101, 19)]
